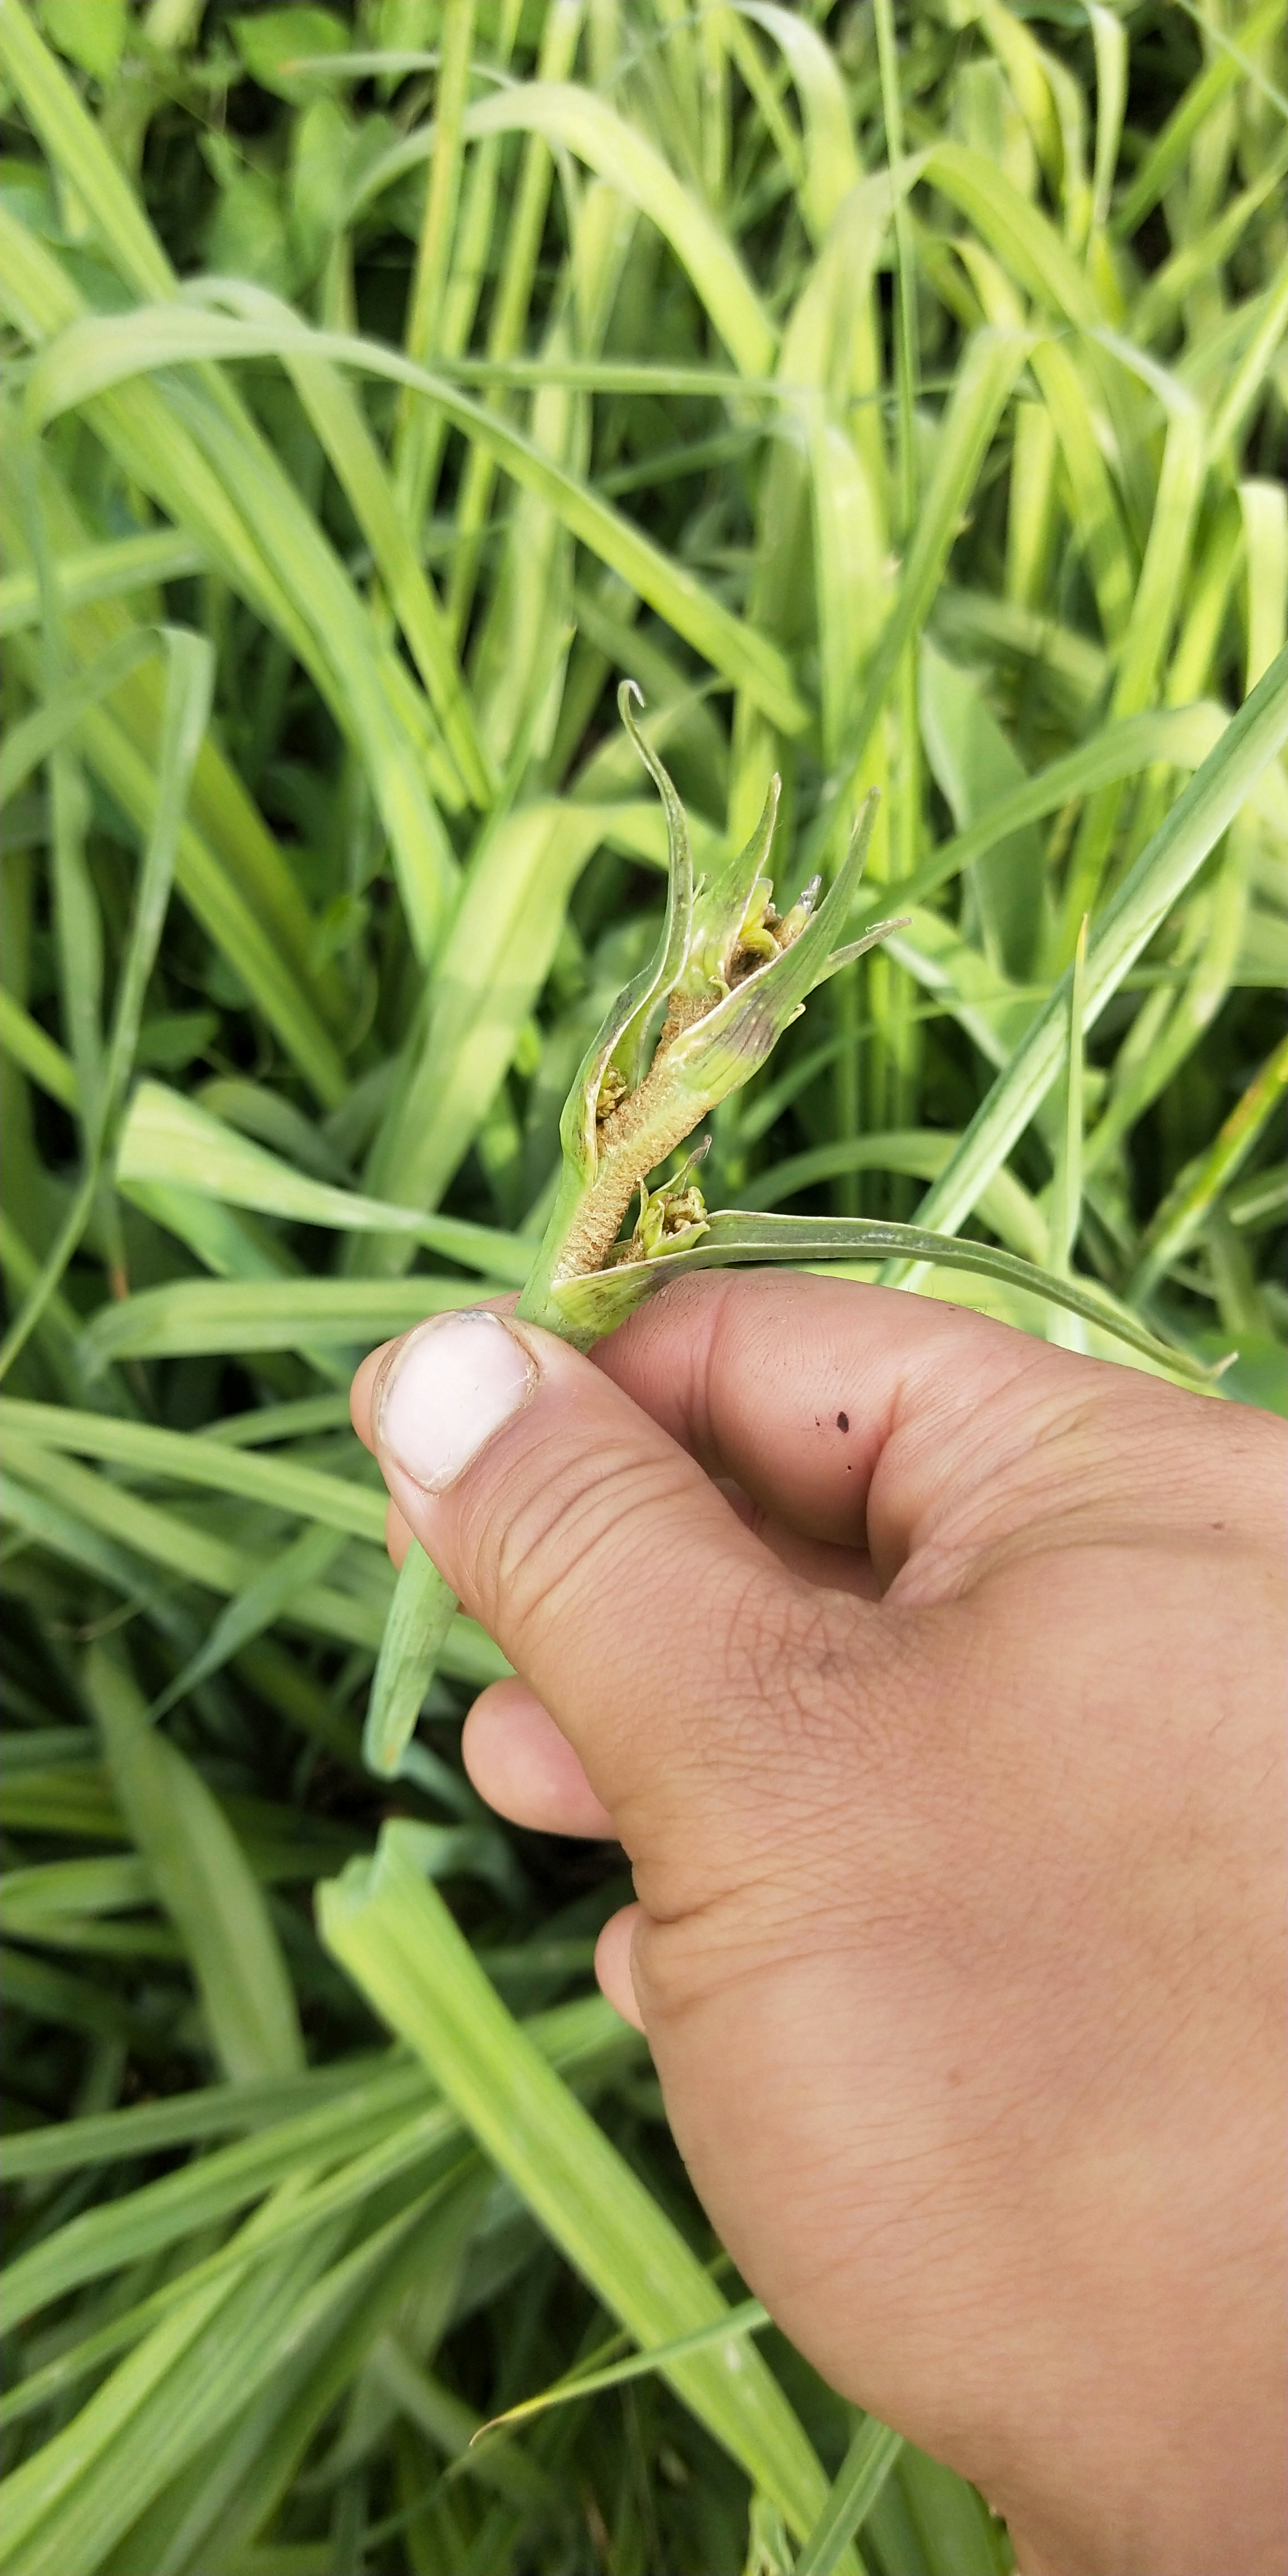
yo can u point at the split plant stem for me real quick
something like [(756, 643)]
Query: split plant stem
[(727, 977)]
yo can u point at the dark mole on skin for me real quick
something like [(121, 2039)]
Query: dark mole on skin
[(842, 1422)]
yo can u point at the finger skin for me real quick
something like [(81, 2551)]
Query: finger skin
[(820, 1561), (512, 1749), (613, 1952), (753, 1376), (599, 1554), (519, 1761), (960, 1946), (397, 1534), (771, 1380), (764, 1381)]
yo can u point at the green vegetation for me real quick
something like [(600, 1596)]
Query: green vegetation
[(898, 396)]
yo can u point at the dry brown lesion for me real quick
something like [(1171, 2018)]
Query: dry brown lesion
[(683, 1011), (646, 1125), (636, 1129)]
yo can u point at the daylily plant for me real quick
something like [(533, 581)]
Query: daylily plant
[(728, 976)]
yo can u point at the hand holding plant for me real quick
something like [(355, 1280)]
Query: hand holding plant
[(728, 976), (959, 1943), (900, 397)]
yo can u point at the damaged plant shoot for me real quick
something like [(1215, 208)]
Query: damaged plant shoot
[(729, 974)]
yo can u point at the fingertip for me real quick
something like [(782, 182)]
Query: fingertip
[(613, 1964), (499, 1445), (363, 1388), (517, 1759), (397, 1534), (362, 1391)]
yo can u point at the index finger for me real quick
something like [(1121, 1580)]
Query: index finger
[(841, 1407)]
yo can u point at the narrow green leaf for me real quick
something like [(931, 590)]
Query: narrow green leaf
[(360, 468), (1182, 737), (188, 2378), (952, 2521), (31, 740), (1026, 243), (1109, 38), (189, 1316), (1066, 1189), (190, 677), (70, 2002), (922, 1152), (105, 571), (39, 1055), (983, 386), (977, 768), (620, 153), (92, 1551), (747, 2318), (30, 1897), (420, 1616), (1145, 639), (95, 354), (167, 1138), (1264, 510), (259, 958), (1245, 386), (82, 1517), (391, 2110), (202, 1877), (251, 1610), (71, 135), (597, 1302), (231, 2485), (1199, 1186), (1158, 878), (858, 2482), (830, 164), (210, 2111), (189, 682), (192, 1460), (486, 980), (1168, 150), (396, 1938)]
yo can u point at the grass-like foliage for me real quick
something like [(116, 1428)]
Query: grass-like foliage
[(897, 396)]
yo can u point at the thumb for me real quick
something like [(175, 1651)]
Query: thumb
[(612, 1572)]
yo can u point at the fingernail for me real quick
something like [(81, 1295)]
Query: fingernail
[(452, 1385)]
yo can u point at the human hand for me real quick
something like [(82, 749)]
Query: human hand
[(944, 1737)]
